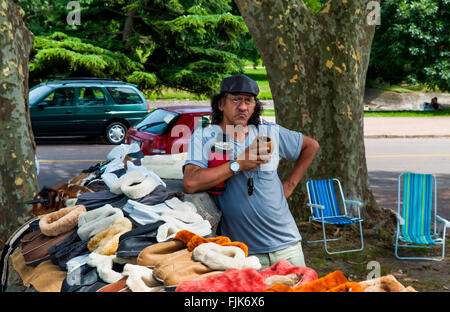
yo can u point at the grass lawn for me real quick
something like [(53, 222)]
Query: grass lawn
[(260, 76), (443, 113), (406, 88)]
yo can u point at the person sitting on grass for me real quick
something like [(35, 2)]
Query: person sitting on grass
[(434, 105)]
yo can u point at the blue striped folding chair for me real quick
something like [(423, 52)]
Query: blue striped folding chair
[(324, 206), (417, 215)]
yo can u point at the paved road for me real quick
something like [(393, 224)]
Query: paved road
[(375, 127), (62, 159)]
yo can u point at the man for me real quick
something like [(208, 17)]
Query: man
[(261, 219)]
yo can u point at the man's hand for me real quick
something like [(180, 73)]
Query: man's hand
[(251, 159), (309, 150), (288, 188)]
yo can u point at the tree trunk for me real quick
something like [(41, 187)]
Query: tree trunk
[(316, 67), (18, 179), (129, 23)]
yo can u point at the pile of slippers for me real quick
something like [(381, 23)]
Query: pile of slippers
[(131, 236), (190, 262)]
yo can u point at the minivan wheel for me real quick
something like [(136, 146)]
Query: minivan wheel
[(115, 133)]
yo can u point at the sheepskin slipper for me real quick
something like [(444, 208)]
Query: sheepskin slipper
[(104, 265), (284, 267), (219, 257), (192, 240), (232, 280), (134, 185), (179, 271), (176, 204), (60, 221), (137, 188), (106, 242), (289, 280), (114, 183), (180, 255), (140, 279), (95, 221), (172, 226), (184, 216), (123, 150), (152, 254), (386, 283)]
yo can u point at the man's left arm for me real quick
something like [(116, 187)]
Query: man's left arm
[(308, 152)]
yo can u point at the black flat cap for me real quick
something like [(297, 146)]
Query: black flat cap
[(239, 84)]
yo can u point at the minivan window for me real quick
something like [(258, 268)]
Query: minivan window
[(157, 121), (60, 97), (37, 92), (124, 95), (91, 96)]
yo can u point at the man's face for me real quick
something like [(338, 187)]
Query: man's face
[(237, 109)]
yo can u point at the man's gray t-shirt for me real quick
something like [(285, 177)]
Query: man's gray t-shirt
[(262, 221)]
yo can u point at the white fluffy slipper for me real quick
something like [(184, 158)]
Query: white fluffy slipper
[(115, 185), (145, 172), (218, 257), (184, 216), (176, 204), (110, 180), (140, 279), (95, 221), (120, 151), (104, 266), (134, 185), (172, 226)]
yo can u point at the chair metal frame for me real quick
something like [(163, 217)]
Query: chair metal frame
[(322, 220), (436, 233)]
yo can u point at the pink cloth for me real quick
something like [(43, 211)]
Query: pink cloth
[(246, 280)]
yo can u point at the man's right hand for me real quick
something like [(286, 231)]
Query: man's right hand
[(251, 159)]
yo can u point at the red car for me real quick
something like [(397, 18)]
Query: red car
[(167, 130)]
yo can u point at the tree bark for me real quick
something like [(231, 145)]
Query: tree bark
[(317, 65), (128, 24), (18, 179)]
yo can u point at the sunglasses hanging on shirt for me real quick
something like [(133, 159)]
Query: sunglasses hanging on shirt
[(250, 185)]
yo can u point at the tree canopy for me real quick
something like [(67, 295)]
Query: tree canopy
[(413, 43), (185, 44), (192, 44)]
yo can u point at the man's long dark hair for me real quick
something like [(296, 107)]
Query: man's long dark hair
[(217, 114)]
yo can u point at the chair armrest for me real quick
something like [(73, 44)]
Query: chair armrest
[(442, 220), (399, 218), (354, 202), (316, 206), (355, 207)]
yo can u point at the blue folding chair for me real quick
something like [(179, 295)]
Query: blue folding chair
[(417, 215), (325, 210)]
